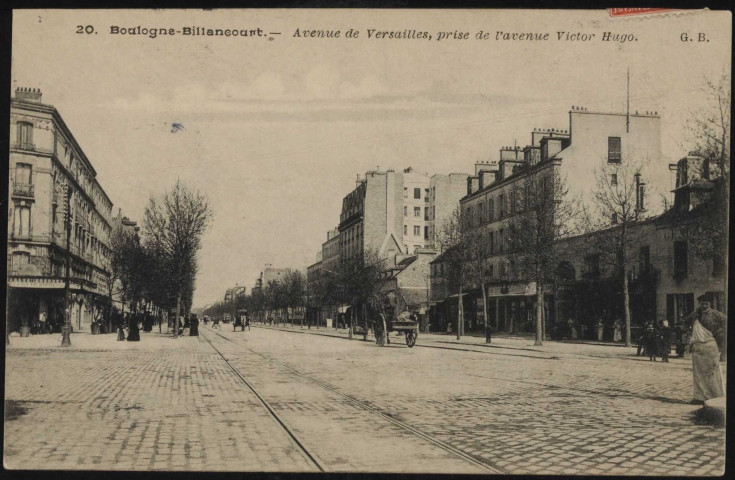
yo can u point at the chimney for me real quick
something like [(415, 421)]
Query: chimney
[(487, 177), (485, 165), (28, 94), (473, 184)]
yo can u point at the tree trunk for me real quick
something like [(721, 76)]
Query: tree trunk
[(484, 313), (539, 315), (626, 312), (176, 315), (352, 321), (460, 313)]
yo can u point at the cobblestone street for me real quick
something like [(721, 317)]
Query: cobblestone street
[(221, 402)]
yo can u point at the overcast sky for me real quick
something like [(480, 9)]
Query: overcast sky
[(275, 131)]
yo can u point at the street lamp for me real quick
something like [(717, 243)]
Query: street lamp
[(66, 329)]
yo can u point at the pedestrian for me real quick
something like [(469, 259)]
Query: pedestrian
[(651, 340), (617, 330), (665, 341), (42, 323), (707, 344), (194, 326), (120, 331), (133, 331), (600, 329), (643, 341), (572, 326), (682, 337)]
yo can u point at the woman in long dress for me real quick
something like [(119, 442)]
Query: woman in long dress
[(618, 334), (133, 330), (707, 342)]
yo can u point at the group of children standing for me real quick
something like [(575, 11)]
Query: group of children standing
[(656, 341)]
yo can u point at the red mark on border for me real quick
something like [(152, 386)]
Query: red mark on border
[(629, 12)]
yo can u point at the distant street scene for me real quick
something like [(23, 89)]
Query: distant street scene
[(438, 242)]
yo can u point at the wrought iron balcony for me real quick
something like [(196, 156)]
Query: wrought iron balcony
[(23, 190)]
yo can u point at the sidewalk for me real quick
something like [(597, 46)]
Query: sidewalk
[(501, 343), (106, 341)]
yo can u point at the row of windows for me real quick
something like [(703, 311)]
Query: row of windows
[(504, 270), (24, 138), (350, 238), (416, 193), (591, 265), (429, 212), (82, 240), (417, 231), (490, 209)]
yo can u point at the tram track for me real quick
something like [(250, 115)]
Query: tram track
[(355, 402), (268, 407), (438, 347)]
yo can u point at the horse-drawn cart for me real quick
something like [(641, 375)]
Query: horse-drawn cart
[(405, 323), (378, 315)]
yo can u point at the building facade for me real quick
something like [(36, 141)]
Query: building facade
[(232, 294), (272, 274), (494, 199), (666, 274), (330, 251), (49, 176), (397, 212), (443, 199)]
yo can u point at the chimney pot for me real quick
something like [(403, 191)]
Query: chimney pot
[(28, 94)]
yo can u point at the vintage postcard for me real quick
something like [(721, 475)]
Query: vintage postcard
[(384, 241)]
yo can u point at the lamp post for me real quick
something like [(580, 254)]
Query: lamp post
[(66, 329)]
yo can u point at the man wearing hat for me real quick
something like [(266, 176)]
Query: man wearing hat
[(707, 342)]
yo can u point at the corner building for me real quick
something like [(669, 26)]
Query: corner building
[(46, 167)]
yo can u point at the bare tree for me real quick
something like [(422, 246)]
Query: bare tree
[(707, 229), (463, 257), (174, 225), (543, 213), (127, 265), (359, 280), (618, 208), (322, 285)]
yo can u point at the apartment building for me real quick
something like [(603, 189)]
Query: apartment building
[(494, 197), (49, 176)]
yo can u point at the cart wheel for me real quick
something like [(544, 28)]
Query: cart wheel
[(411, 338)]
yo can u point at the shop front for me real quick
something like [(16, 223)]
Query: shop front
[(512, 308)]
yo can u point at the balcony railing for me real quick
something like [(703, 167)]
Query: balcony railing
[(23, 190), (25, 237), (23, 146)]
